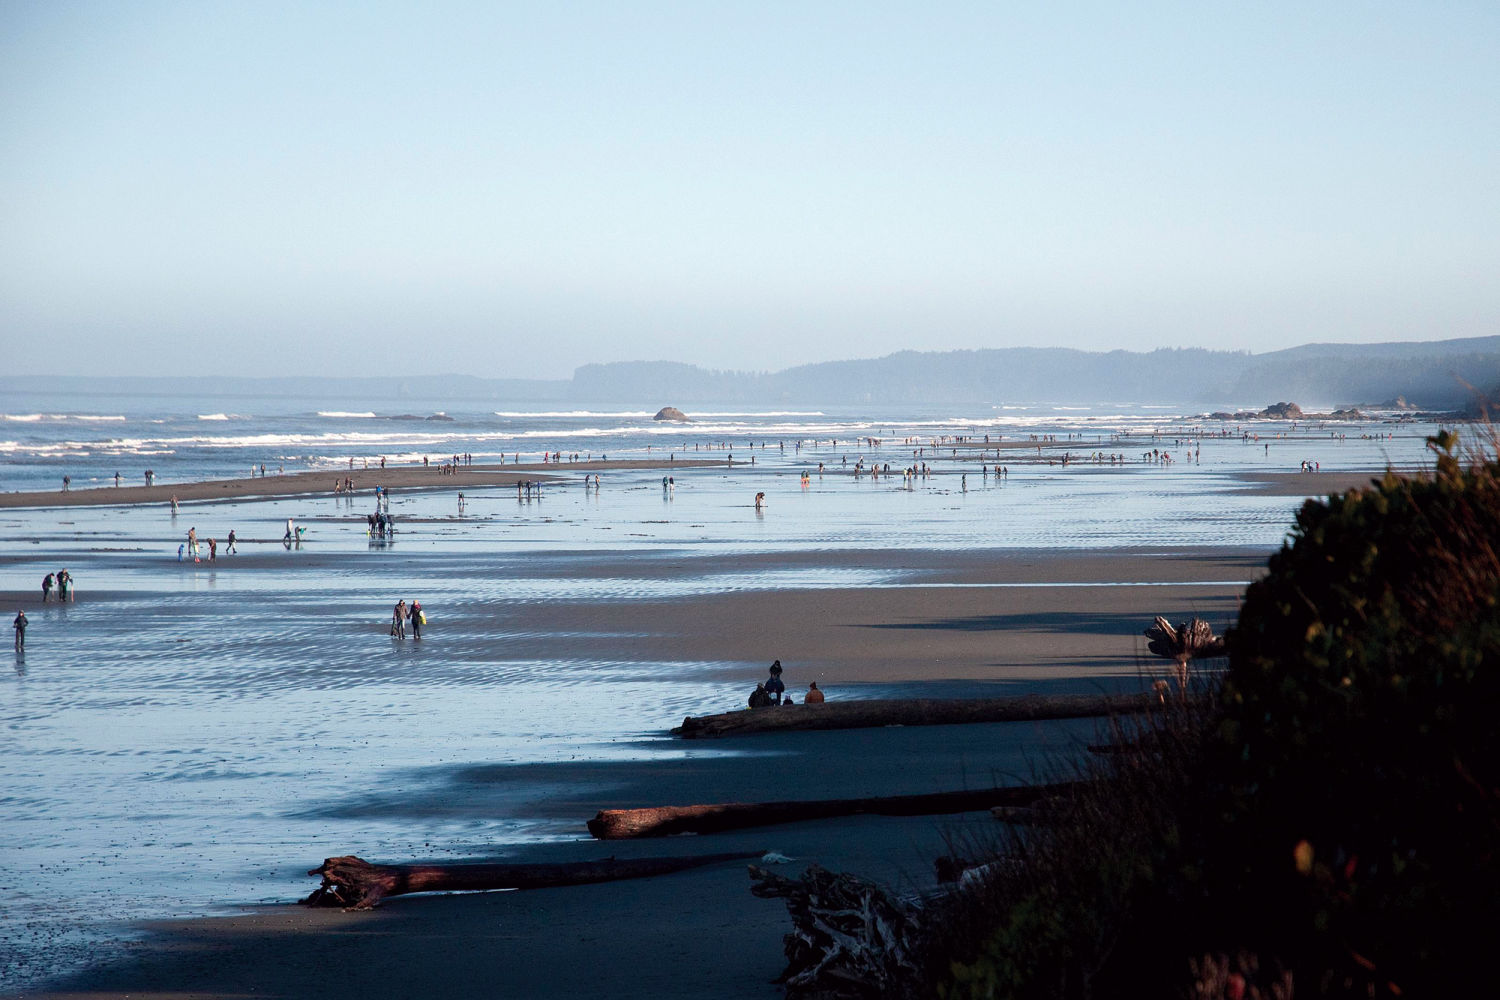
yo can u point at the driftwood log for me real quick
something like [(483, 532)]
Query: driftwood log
[(850, 938), (662, 821), (910, 712), (356, 884)]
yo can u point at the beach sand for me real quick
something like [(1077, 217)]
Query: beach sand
[(1000, 622), (395, 478), (1312, 484), (408, 477)]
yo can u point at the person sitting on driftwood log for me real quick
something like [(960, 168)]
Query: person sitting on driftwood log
[(814, 696), (759, 698)]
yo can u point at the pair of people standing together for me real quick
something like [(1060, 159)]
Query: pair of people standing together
[(64, 582), (402, 615)]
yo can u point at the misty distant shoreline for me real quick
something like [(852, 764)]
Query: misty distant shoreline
[(1432, 375)]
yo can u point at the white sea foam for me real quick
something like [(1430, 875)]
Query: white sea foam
[(35, 418), (761, 413), (417, 438), (345, 414), (620, 414), (643, 414)]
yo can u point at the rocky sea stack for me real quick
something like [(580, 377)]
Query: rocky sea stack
[(671, 413)]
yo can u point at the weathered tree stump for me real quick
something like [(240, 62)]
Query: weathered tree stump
[(850, 938), (1191, 640), (356, 884)]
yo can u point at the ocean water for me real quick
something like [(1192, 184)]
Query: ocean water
[(181, 439), (187, 737)]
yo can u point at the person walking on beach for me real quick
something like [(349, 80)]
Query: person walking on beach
[(290, 532), (64, 586), (213, 550), (416, 619), (20, 624), (46, 587), (774, 687), (398, 620), (193, 543), (230, 547)]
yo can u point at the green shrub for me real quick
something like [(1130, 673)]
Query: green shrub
[(1331, 812), (1357, 757)]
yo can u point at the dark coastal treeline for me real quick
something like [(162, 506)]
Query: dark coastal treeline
[(1435, 375)]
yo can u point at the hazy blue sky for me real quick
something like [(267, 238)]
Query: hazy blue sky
[(518, 188)]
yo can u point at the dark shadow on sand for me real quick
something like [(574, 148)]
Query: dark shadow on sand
[(1217, 610)]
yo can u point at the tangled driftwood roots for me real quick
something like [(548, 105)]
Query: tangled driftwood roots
[(850, 938), (1191, 640)]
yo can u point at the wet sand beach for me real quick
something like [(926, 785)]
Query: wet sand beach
[(668, 642), (324, 482), (1313, 484), (189, 738)]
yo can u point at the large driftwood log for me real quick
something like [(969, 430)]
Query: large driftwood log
[(850, 938), (662, 821), (911, 712), (356, 884)]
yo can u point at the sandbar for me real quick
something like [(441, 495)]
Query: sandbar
[(324, 481), (1313, 484)]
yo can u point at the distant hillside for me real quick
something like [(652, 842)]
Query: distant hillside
[(1021, 374), (1430, 375)]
